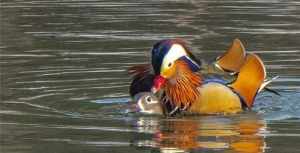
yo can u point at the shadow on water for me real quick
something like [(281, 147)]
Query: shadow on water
[(64, 85)]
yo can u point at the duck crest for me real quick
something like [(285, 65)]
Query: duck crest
[(182, 89)]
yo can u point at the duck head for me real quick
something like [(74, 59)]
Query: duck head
[(148, 103), (166, 52), (164, 55)]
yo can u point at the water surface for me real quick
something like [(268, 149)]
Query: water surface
[(64, 85)]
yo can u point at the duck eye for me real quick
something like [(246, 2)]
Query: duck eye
[(170, 64), (148, 99)]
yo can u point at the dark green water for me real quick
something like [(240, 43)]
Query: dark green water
[(64, 86)]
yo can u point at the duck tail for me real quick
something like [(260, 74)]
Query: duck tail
[(264, 87), (233, 59), (250, 79), (267, 82)]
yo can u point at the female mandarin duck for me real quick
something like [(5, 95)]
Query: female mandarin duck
[(177, 73), (148, 103)]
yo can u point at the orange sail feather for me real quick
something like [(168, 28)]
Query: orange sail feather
[(233, 59), (250, 78)]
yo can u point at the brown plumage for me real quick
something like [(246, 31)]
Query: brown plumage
[(142, 78), (181, 89), (140, 70), (142, 81)]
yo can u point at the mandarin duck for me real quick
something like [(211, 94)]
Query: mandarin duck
[(148, 103), (178, 72), (211, 97), (143, 74)]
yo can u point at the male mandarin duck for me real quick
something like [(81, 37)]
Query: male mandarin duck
[(143, 74), (176, 71)]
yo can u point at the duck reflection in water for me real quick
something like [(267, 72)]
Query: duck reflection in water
[(215, 133)]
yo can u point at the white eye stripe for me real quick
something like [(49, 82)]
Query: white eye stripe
[(175, 52), (141, 105)]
